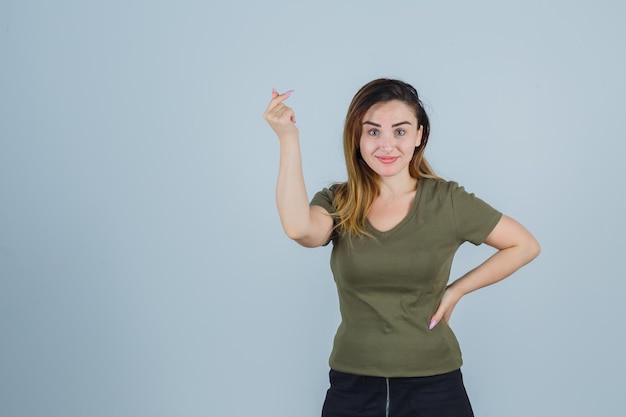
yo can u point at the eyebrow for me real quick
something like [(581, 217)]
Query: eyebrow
[(367, 122)]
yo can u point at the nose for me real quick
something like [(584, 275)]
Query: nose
[(386, 142)]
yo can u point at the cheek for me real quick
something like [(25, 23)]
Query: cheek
[(368, 150), (360, 151), (364, 145)]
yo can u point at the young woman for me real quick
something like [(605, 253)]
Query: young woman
[(395, 227)]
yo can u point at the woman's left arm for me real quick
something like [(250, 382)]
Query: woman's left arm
[(516, 247)]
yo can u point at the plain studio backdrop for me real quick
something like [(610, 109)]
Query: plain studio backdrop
[(143, 268)]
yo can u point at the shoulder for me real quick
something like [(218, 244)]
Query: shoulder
[(472, 219), (439, 188), (326, 196), (442, 187), (331, 190), (450, 194)]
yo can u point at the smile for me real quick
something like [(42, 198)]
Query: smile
[(387, 159)]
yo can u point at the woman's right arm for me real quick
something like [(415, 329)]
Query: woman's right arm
[(310, 226)]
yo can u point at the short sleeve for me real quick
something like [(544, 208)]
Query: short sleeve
[(474, 219), (325, 199)]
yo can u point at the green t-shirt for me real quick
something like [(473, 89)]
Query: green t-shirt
[(390, 285)]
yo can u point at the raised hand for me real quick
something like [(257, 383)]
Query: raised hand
[(281, 117)]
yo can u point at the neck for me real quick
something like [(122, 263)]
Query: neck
[(390, 188)]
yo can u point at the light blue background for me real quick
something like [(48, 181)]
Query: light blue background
[(143, 270)]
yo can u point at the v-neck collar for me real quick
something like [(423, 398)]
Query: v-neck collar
[(378, 233)]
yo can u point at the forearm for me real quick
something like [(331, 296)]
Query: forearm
[(309, 226), (291, 197), (516, 247), (497, 267)]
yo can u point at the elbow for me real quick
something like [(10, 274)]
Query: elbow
[(297, 234), (304, 238), (295, 229), (294, 233), (533, 249), (537, 249)]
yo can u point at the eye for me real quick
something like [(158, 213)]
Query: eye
[(400, 132), (372, 132)]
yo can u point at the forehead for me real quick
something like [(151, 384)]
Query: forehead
[(393, 111)]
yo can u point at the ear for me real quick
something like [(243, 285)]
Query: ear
[(420, 131)]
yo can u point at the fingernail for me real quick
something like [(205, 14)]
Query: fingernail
[(433, 323), (289, 92)]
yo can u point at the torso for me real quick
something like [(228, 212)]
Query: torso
[(390, 283)]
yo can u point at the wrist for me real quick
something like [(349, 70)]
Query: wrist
[(287, 137), (455, 289), (288, 140)]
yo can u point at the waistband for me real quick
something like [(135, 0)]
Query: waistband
[(360, 383)]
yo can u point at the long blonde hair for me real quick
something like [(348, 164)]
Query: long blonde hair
[(354, 198)]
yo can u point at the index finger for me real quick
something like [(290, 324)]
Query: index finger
[(278, 98), (275, 93)]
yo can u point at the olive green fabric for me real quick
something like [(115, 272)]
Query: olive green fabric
[(389, 285)]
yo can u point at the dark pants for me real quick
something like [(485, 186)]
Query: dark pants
[(365, 396)]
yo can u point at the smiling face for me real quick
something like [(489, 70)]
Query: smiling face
[(390, 133)]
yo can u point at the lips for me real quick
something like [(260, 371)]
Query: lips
[(387, 159)]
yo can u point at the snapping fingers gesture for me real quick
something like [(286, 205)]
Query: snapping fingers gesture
[(280, 117)]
